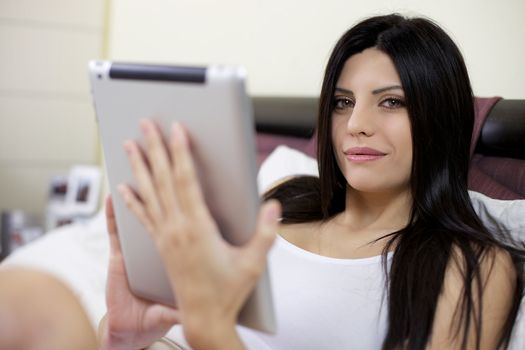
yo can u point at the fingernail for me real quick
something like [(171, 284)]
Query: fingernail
[(122, 190), (272, 212), (175, 129), (128, 147), (144, 125), (177, 134)]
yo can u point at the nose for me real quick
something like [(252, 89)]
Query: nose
[(361, 121)]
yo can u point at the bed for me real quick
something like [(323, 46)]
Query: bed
[(78, 254)]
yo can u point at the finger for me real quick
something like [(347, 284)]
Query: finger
[(110, 216), (136, 206), (189, 193), (163, 315), (111, 224), (142, 176), (159, 160), (267, 226)]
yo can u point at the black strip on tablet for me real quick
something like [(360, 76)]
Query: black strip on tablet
[(158, 73)]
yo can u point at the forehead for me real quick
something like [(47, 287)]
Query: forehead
[(370, 68)]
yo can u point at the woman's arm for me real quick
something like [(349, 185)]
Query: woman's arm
[(211, 278), (498, 278)]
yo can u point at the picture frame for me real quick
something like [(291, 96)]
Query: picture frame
[(83, 190), (75, 197)]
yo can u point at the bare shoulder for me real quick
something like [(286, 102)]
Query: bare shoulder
[(498, 284), (498, 275), (498, 270), (496, 267)]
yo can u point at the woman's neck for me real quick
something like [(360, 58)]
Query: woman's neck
[(353, 233), (376, 211)]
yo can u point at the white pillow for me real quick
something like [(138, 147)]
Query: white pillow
[(284, 162), (504, 215), (507, 215)]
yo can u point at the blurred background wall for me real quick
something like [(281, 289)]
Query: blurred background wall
[(46, 119), (46, 115), (285, 43)]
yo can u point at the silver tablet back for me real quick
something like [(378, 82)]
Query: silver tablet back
[(213, 105)]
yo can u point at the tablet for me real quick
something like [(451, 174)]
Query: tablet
[(212, 104)]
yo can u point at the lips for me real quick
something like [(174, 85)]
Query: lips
[(363, 154)]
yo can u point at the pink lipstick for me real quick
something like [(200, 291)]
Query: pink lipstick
[(363, 154)]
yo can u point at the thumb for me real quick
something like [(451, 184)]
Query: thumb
[(165, 316), (267, 226), (111, 225)]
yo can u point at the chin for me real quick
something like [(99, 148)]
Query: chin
[(367, 189), (380, 186)]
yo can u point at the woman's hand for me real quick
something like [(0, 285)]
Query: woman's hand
[(130, 322), (211, 278)]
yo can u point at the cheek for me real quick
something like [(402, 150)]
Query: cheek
[(405, 144), (407, 137), (338, 128), (337, 134), (336, 123), (405, 141), (399, 134)]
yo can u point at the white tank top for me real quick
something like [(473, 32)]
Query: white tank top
[(322, 302)]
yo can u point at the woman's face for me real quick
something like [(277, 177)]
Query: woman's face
[(370, 125)]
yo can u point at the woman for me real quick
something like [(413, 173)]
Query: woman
[(385, 241)]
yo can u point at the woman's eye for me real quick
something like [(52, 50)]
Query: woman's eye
[(393, 103), (343, 103)]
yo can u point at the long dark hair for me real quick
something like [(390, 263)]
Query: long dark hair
[(439, 102)]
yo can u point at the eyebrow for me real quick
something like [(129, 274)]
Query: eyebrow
[(393, 87), (374, 92)]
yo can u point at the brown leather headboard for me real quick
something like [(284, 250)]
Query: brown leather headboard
[(503, 133)]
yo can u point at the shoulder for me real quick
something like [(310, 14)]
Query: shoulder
[(493, 293), (491, 261), (496, 269)]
